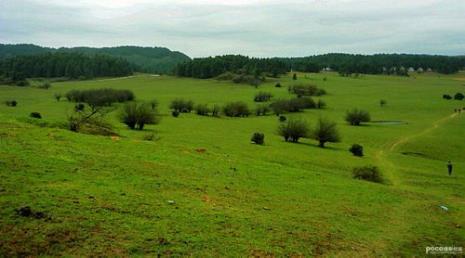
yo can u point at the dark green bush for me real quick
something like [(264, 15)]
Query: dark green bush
[(202, 109), (236, 109), (293, 130), (129, 115), (175, 113), (278, 85), (282, 119), (368, 173), (292, 105), (182, 105), (100, 97), (446, 96), (35, 115), (356, 117), (295, 105), (146, 116), (357, 150), (262, 96), (11, 103), (280, 106), (302, 103), (459, 96), (249, 79), (258, 138), (262, 110), (382, 103)]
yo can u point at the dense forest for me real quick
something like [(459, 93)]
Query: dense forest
[(144, 59), (26, 60), (377, 64), (69, 65), (213, 66), (345, 64)]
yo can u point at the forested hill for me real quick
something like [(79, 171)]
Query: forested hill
[(144, 59), (15, 70)]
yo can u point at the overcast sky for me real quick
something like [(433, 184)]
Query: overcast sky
[(250, 27)]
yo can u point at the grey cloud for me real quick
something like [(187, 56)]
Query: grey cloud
[(276, 28)]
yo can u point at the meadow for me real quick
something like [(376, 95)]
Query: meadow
[(200, 188)]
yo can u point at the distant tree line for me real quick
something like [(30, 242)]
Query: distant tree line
[(70, 65), (210, 67), (345, 64), (376, 64), (144, 59)]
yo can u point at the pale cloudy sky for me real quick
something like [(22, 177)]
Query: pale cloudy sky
[(251, 27)]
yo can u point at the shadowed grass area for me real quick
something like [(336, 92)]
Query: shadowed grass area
[(200, 188)]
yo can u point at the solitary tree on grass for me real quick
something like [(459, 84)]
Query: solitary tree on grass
[(325, 131), (357, 116), (137, 115), (293, 130), (382, 103)]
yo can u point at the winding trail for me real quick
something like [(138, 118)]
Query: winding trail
[(400, 215), (381, 155)]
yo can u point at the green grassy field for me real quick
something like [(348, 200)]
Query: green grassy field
[(123, 196)]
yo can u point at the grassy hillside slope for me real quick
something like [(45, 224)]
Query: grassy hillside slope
[(122, 196)]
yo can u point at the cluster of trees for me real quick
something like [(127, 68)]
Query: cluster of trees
[(262, 96), (100, 97), (356, 150), (457, 96), (242, 77), (282, 106), (69, 65), (325, 131), (211, 67), (98, 100), (182, 105), (143, 59), (11, 103), (368, 173), (92, 106), (138, 114), (258, 138), (306, 90), (241, 109), (236, 109)]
